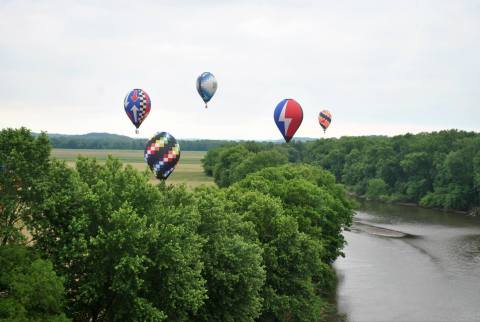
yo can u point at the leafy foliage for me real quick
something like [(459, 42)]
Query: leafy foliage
[(311, 196), (438, 169), (298, 212), (29, 288), (232, 162), (23, 166), (376, 188), (126, 250), (121, 142), (233, 260)]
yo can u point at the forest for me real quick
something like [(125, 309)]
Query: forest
[(98, 242), (438, 169), (120, 142)]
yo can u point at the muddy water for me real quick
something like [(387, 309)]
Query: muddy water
[(410, 264)]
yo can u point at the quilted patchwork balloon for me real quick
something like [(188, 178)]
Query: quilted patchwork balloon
[(162, 153)]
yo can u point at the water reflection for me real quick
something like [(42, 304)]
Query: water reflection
[(434, 275), (465, 250)]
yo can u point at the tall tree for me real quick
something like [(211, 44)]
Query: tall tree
[(232, 257), (23, 167), (29, 288), (128, 249), (298, 213)]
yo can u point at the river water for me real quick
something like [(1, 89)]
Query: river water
[(432, 274)]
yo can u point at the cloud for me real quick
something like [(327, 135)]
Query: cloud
[(377, 65)]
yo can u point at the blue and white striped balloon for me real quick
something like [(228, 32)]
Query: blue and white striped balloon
[(206, 86)]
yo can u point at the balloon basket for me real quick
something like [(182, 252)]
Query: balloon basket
[(137, 131), (206, 106)]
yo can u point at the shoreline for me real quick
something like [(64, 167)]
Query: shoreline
[(358, 225), (470, 213)]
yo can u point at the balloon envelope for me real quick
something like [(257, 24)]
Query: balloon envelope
[(162, 153), (325, 118), (137, 105), (206, 86), (288, 116)]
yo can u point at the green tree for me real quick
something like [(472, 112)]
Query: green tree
[(476, 176), (334, 161), (455, 186), (232, 258), (293, 291), (29, 288), (377, 189), (128, 249), (298, 213), (228, 159), (211, 159), (255, 162), (311, 195), (417, 167), (390, 171), (413, 167), (23, 166), (353, 172)]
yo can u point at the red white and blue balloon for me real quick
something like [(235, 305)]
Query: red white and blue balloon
[(288, 116), (137, 105), (206, 86), (162, 153)]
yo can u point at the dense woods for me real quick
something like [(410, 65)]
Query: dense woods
[(439, 169), (98, 242), (120, 142)]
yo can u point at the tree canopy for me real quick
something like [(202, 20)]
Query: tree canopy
[(98, 242), (121, 142), (438, 169)]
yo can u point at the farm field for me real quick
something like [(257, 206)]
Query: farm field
[(188, 171)]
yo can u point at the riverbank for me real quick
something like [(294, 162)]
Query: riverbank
[(473, 212)]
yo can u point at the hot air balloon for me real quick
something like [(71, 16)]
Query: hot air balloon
[(137, 105), (325, 118), (162, 153), (288, 116), (206, 86)]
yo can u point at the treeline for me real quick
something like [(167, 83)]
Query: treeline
[(121, 142), (98, 242), (439, 169)]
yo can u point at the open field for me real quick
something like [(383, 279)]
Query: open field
[(188, 171)]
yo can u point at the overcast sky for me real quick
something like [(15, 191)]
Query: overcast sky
[(380, 67)]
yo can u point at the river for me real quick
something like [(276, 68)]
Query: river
[(431, 274)]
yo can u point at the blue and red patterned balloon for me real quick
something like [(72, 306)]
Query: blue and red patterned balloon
[(137, 105), (288, 116), (162, 153), (206, 86)]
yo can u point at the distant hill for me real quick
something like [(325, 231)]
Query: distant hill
[(95, 141), (299, 139), (122, 142)]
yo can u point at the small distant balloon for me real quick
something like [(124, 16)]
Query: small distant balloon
[(325, 118), (288, 116), (137, 105), (162, 153), (206, 86)]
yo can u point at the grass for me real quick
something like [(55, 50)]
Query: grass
[(188, 171)]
